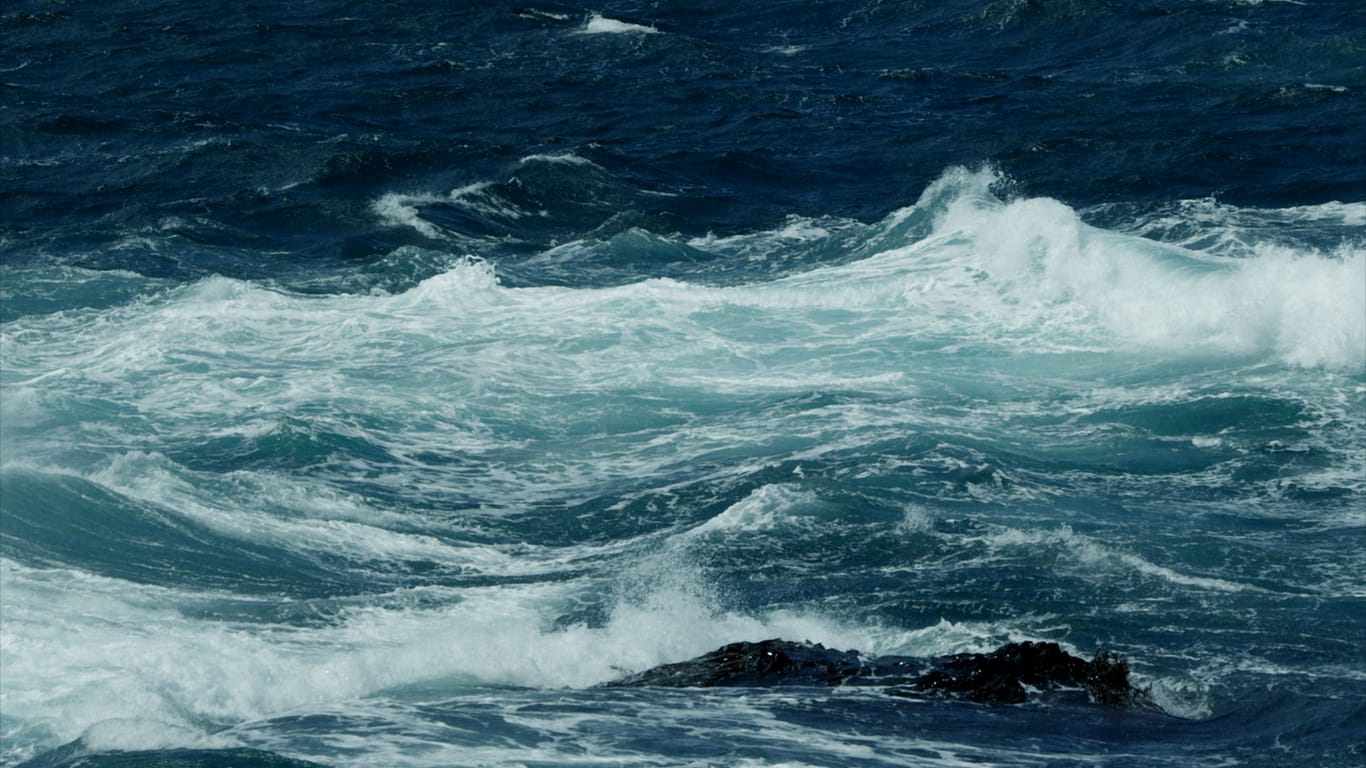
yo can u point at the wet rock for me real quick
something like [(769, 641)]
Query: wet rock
[(771, 662), (1007, 675)]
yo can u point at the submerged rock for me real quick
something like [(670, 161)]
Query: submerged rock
[(1006, 675)]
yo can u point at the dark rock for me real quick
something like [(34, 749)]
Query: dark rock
[(1006, 675), (771, 662)]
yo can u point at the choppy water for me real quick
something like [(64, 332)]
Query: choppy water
[(380, 378)]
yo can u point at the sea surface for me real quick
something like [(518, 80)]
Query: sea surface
[(380, 378)]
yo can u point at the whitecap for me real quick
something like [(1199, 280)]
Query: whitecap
[(564, 158), (598, 24), (765, 508), (401, 210)]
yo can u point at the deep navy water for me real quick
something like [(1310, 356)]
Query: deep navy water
[(378, 379)]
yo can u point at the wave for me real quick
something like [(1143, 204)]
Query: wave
[(1030, 276), (1087, 553), (136, 666), (1057, 278), (971, 270)]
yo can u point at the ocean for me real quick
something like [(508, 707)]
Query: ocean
[(379, 380)]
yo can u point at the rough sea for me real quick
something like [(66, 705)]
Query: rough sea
[(379, 378)]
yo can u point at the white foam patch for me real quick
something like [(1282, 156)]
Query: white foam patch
[(760, 246), (23, 409), (534, 13), (400, 210), (802, 230), (917, 519), (598, 24), (562, 158), (1184, 698)]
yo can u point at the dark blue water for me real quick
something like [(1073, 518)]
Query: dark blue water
[(377, 379)]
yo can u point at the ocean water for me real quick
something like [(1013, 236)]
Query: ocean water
[(378, 379)]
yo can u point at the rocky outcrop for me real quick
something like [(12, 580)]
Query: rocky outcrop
[(1007, 675)]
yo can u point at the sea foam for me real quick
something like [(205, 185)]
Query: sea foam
[(598, 24)]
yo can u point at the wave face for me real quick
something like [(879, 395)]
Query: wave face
[(378, 383)]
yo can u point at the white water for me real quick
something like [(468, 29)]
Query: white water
[(557, 395)]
